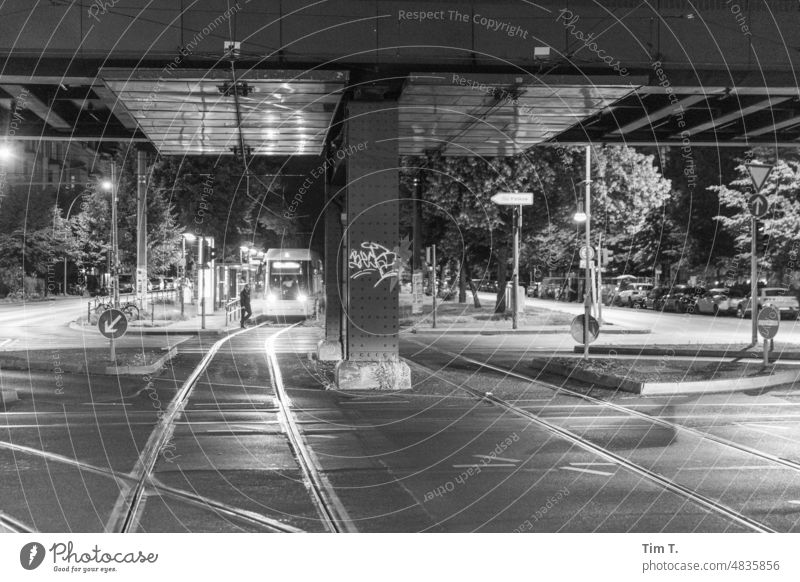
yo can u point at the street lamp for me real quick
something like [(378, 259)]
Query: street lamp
[(108, 185), (6, 153), (66, 219), (184, 237)]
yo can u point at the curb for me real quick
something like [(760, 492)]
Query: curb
[(81, 368), (755, 352), (156, 331), (545, 331), (142, 370), (670, 388)]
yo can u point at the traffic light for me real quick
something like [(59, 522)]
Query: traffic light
[(212, 253)]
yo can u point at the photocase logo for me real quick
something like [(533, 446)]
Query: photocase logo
[(31, 555)]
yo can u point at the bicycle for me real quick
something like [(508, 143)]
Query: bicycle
[(130, 309)]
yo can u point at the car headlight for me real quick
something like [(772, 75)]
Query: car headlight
[(302, 297)]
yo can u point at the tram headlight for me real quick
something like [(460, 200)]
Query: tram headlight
[(301, 297)]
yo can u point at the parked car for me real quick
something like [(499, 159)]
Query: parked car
[(680, 298), (654, 299), (126, 284), (633, 295), (720, 300), (169, 283), (780, 297), (154, 284)]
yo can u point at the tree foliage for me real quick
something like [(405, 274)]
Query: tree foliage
[(778, 239)]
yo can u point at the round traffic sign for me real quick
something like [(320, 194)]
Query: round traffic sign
[(758, 205), (583, 252), (576, 329), (112, 323), (769, 320)]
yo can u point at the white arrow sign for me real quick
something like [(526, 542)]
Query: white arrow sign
[(112, 326), (759, 174), (513, 198)]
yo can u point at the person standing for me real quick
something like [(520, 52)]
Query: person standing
[(244, 302)]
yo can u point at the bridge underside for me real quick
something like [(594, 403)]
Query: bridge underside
[(378, 81), (290, 112)]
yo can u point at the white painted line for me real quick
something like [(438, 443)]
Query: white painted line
[(794, 502), (764, 425), (591, 463), (323, 436), (497, 458), (481, 466), (591, 471)]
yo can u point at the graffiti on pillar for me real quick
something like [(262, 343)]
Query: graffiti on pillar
[(374, 259)]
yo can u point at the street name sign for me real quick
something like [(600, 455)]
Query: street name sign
[(112, 323), (758, 205), (769, 321), (758, 174), (513, 198)]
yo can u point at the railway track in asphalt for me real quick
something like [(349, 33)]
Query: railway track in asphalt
[(126, 513), (707, 502)]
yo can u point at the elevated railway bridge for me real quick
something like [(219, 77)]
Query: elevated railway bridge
[(355, 84)]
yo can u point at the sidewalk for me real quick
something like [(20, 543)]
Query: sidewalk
[(463, 319), (215, 323)]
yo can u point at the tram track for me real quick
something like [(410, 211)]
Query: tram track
[(330, 508), (124, 517), (704, 501)]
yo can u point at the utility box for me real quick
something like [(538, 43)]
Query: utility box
[(520, 298)]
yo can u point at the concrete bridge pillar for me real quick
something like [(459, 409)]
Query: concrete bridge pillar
[(372, 240), (330, 349)]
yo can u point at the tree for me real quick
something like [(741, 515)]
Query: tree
[(460, 217), (779, 228), (35, 251)]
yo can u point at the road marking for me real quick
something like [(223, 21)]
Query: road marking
[(592, 463), (481, 466), (794, 502), (591, 471), (323, 436), (497, 458)]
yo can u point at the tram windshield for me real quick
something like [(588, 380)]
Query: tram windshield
[(288, 280)]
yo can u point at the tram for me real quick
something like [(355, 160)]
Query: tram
[(292, 283)]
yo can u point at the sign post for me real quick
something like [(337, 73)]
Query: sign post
[(769, 321), (112, 324), (518, 200), (416, 292), (758, 207)]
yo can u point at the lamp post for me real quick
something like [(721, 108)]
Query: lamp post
[(585, 217), (110, 185), (190, 237), (66, 219)]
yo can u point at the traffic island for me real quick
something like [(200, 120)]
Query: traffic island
[(130, 361), (668, 376)]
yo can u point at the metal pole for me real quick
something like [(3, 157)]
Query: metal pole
[(766, 352), (201, 280), (433, 283), (587, 291), (113, 351), (141, 228), (599, 296), (754, 279), (183, 272), (114, 239), (515, 271)]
